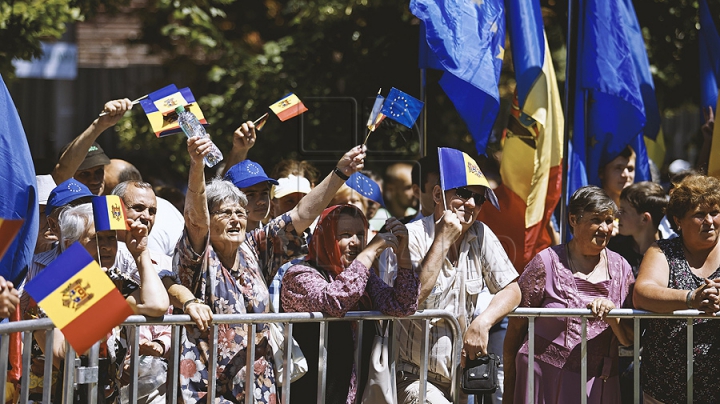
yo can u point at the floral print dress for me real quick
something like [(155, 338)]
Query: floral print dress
[(227, 291)]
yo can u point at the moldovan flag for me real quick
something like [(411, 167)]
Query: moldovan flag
[(288, 107), (109, 213), (80, 299), (531, 166), (457, 169), (159, 106)]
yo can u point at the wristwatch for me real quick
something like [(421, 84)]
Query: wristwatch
[(340, 174)]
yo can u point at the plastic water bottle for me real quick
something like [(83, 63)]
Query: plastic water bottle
[(192, 127)]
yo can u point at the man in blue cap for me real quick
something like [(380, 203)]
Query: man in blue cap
[(250, 177)]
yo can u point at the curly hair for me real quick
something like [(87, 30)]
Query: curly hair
[(692, 192)]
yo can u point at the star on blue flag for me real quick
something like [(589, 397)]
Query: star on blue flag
[(366, 187), (402, 108)]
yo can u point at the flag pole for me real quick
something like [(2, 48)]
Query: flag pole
[(255, 122), (423, 113), (570, 85)]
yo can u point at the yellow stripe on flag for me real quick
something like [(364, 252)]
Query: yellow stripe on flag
[(285, 103), (656, 148), (714, 163), (75, 296), (472, 172), (165, 119), (531, 181)]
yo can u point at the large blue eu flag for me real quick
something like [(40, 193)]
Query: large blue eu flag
[(615, 102), (17, 188), (465, 39), (709, 58)]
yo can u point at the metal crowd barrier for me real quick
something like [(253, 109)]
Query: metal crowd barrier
[(635, 315), (88, 375)]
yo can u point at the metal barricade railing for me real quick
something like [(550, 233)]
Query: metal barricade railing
[(88, 375), (635, 315)]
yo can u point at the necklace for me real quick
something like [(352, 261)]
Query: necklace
[(574, 269)]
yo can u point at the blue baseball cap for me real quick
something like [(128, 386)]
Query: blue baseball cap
[(65, 193), (247, 173)]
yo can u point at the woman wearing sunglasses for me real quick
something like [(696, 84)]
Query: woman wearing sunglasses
[(582, 273)]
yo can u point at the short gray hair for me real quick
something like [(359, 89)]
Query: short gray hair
[(121, 188), (219, 190), (590, 199), (74, 222)]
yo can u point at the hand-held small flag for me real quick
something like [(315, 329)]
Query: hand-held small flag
[(109, 213), (260, 122), (457, 169), (402, 108), (288, 107), (366, 187), (159, 106), (80, 299), (8, 230), (375, 116)]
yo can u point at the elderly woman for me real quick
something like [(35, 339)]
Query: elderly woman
[(579, 274), (683, 273), (336, 277), (214, 261), (147, 297)]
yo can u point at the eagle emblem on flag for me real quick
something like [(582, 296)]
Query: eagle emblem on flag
[(75, 295)]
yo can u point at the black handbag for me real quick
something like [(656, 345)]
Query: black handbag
[(480, 375)]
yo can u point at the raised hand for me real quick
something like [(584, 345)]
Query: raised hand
[(244, 136), (114, 110), (353, 161), (198, 148)]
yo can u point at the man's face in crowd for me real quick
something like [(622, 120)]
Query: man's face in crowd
[(93, 178), (618, 174), (258, 197), (141, 204)]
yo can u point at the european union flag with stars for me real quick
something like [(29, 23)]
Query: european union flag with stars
[(465, 39), (614, 80), (366, 187), (402, 108)]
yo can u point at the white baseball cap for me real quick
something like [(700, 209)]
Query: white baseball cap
[(291, 184), (45, 185)]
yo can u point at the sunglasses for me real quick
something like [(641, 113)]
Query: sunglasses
[(465, 194)]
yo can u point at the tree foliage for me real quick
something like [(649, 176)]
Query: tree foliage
[(24, 23)]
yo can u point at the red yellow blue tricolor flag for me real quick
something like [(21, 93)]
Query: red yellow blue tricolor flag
[(80, 299), (458, 169), (159, 106), (531, 166), (288, 107), (109, 213), (8, 230)]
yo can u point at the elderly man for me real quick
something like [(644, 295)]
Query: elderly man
[(463, 269), (141, 206), (168, 222)]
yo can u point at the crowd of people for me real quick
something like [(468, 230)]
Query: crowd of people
[(245, 242)]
